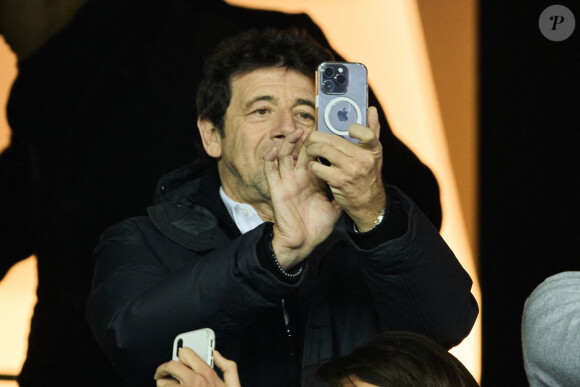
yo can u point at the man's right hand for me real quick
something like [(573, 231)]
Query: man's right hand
[(304, 216)]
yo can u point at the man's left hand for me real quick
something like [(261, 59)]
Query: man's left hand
[(354, 176)]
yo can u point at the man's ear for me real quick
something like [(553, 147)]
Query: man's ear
[(210, 136)]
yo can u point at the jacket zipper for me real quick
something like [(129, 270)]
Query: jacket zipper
[(292, 345), (290, 337)]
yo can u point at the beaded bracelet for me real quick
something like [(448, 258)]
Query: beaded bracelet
[(273, 255)]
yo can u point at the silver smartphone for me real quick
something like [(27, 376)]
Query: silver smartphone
[(341, 97), (202, 341)]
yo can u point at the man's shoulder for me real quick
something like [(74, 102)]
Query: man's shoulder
[(187, 223), (180, 182), (131, 230), (181, 212), (191, 227)]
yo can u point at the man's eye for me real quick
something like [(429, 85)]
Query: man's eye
[(306, 116), (261, 112)]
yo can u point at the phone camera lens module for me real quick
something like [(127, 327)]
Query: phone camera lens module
[(328, 85), (328, 72), (340, 79)]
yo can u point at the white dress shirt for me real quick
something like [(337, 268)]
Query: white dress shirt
[(244, 215)]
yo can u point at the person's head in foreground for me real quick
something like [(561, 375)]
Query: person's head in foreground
[(551, 332), (397, 359), (391, 359)]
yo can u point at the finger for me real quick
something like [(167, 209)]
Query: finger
[(166, 383), (303, 158), (271, 166), (290, 141), (165, 369), (368, 136), (330, 153), (373, 120), (326, 138), (173, 369), (287, 150), (334, 143), (192, 360), (325, 173), (229, 369), (272, 155)]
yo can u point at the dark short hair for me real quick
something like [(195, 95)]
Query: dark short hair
[(401, 359), (250, 51)]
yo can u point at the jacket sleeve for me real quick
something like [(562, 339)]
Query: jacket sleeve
[(416, 283), (16, 241), (141, 300)]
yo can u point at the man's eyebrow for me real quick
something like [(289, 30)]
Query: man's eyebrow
[(268, 98), (306, 102)]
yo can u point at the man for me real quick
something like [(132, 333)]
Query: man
[(112, 111), (256, 250)]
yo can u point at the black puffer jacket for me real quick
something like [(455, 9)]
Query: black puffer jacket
[(186, 267)]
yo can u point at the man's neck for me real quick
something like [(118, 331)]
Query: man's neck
[(259, 202), (262, 207)]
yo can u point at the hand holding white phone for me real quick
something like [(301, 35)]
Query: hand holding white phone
[(202, 341)]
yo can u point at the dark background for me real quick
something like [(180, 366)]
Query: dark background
[(529, 171)]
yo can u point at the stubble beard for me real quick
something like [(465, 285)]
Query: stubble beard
[(252, 190)]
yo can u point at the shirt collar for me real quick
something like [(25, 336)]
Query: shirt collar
[(244, 215)]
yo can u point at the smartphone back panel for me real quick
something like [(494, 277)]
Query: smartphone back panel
[(341, 97), (202, 341)]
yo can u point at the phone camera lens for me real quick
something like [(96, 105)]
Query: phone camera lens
[(328, 85), (340, 79), (328, 72)]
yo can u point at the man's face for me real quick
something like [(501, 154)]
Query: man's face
[(266, 105)]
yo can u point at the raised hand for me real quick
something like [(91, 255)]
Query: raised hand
[(304, 216), (354, 175)]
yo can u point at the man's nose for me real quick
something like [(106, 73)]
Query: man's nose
[(283, 125)]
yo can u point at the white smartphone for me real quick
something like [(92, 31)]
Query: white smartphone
[(341, 97), (202, 341)]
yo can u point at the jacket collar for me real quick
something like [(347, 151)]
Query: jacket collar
[(189, 210)]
